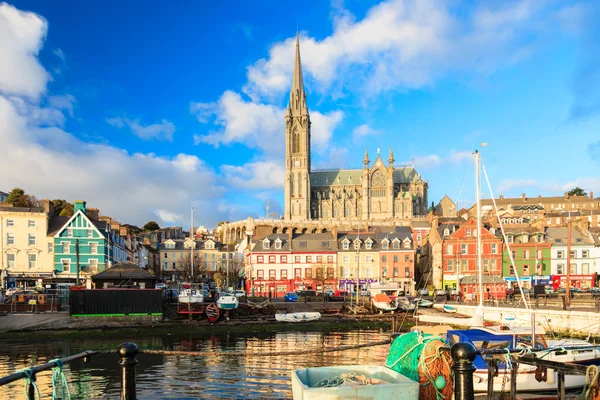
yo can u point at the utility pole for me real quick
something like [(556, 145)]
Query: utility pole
[(568, 290), (77, 258)]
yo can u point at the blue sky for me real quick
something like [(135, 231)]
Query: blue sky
[(146, 111)]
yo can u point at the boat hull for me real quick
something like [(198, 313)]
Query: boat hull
[(526, 381), (191, 299), (298, 317), (228, 303), (384, 306)]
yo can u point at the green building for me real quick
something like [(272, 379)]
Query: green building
[(531, 256)]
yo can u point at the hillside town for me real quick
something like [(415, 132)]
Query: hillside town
[(272, 257)]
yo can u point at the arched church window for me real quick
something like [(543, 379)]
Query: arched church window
[(295, 142)]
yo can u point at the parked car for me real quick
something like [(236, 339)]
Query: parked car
[(329, 293), (307, 293), (424, 292), (440, 292), (290, 297), (239, 293), (160, 286), (422, 303), (365, 293), (341, 293)]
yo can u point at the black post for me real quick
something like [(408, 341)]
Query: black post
[(77, 258), (31, 387), (127, 352), (513, 379), (463, 355), (561, 385), (492, 368)]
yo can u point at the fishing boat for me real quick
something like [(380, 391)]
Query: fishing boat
[(574, 351), (228, 302), (449, 309), (190, 293), (384, 303), (298, 317)]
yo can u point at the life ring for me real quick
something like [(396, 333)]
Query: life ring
[(41, 299)]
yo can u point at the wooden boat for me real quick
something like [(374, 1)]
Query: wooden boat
[(212, 313), (449, 309), (298, 317), (384, 303), (228, 302)]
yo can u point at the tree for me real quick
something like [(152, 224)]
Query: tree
[(577, 191), (18, 198), (151, 226), (219, 279), (184, 268), (235, 269), (323, 273)]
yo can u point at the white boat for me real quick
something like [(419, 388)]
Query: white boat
[(404, 304), (449, 309), (565, 351), (384, 303), (190, 293), (298, 317), (227, 302)]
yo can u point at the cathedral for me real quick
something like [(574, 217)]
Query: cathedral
[(378, 191)]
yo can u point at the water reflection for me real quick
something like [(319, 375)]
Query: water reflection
[(182, 377)]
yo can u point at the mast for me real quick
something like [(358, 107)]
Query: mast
[(479, 230), (192, 246)]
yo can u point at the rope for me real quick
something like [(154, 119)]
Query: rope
[(590, 382), (58, 377), (29, 374), (340, 380)]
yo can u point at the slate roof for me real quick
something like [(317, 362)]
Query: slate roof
[(124, 271), (285, 243), (179, 244), (55, 224), (354, 177), (421, 224), (377, 236), (559, 236), (22, 209), (314, 242)]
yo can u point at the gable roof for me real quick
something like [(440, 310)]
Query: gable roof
[(124, 271), (97, 225)]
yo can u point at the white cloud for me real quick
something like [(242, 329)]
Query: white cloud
[(162, 131), (510, 185), (255, 175), (59, 53), (23, 35), (63, 102), (363, 131), (169, 217), (435, 160)]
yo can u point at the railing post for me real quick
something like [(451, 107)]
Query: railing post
[(513, 379), (463, 355), (492, 368), (31, 387), (127, 351)]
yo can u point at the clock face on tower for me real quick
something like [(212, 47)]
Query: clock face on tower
[(296, 163)]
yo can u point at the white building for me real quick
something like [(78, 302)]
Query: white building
[(583, 256)]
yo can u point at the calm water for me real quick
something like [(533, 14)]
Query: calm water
[(182, 377)]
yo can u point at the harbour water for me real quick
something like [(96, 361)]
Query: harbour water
[(184, 377)]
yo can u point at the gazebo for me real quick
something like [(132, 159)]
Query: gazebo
[(124, 275)]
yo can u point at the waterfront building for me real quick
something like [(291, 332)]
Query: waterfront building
[(175, 256), (446, 208), (460, 258), (531, 255), (26, 255), (420, 230), (155, 238), (583, 264)]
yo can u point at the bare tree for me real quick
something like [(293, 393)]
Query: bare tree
[(185, 271), (235, 270), (322, 274)]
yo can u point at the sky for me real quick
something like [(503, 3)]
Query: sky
[(145, 112)]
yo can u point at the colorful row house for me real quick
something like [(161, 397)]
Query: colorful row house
[(526, 256)]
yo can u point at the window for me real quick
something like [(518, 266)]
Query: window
[(514, 255), (50, 247), (10, 238), (324, 244), (278, 244), (330, 273), (384, 258), (525, 270), (396, 244), (32, 261), (296, 259), (406, 258), (468, 232), (356, 259), (494, 248), (31, 239), (465, 265), (369, 244), (395, 258), (298, 273), (66, 265), (93, 265), (346, 259), (271, 259), (356, 244), (384, 272), (90, 233), (512, 270), (283, 274), (524, 239), (539, 269), (573, 269), (539, 254), (10, 260), (31, 223), (170, 245), (560, 254), (385, 244), (166, 254), (260, 274), (302, 244), (308, 259), (308, 273), (475, 232), (272, 274), (407, 272), (486, 267), (493, 264), (449, 249), (395, 272), (93, 248), (346, 245), (450, 266), (166, 265), (319, 259), (10, 222), (329, 259), (266, 245), (585, 253), (369, 259), (446, 232), (284, 260), (463, 248), (560, 269), (573, 253), (69, 232), (260, 259), (525, 254)]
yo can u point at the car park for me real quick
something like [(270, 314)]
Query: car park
[(290, 297)]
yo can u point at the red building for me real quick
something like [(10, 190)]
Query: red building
[(459, 259)]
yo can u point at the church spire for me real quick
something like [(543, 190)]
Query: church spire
[(366, 158), (297, 105), (391, 156)]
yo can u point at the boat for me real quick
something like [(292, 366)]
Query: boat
[(190, 293), (449, 309), (404, 304), (574, 351), (384, 303), (298, 317), (229, 302)]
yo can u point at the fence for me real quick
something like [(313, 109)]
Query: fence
[(110, 302), (31, 302)]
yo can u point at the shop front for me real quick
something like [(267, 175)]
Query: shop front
[(541, 280), (511, 282), (350, 284), (276, 287), (494, 287), (577, 281), (26, 281)]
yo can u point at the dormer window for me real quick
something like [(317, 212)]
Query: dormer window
[(446, 232), (346, 244), (356, 244), (493, 231), (278, 244), (407, 244), (170, 246), (369, 244), (385, 244), (266, 244), (396, 244)]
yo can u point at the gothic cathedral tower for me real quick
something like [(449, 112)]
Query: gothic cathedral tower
[(297, 150)]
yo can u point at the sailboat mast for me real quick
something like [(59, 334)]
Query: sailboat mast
[(192, 245), (479, 230)]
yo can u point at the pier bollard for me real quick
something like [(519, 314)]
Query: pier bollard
[(127, 351), (463, 355)]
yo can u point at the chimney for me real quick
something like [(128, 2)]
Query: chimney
[(591, 195), (501, 197), (48, 207), (524, 196), (123, 231), (93, 213), (79, 205)]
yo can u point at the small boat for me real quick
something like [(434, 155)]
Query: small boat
[(212, 313), (227, 302), (449, 309), (384, 303), (190, 293), (404, 304), (298, 317)]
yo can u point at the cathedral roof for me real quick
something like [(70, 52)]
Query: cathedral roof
[(345, 177)]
